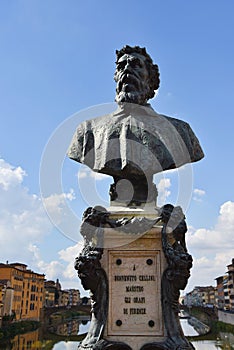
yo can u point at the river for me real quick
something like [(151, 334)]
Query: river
[(224, 341), (34, 340)]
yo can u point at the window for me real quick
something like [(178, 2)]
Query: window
[(32, 297)]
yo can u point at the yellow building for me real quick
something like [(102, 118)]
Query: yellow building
[(28, 287), (26, 341), (63, 298)]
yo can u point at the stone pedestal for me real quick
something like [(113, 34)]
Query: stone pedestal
[(134, 264)]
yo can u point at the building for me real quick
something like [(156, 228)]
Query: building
[(193, 298), (226, 294), (29, 340), (230, 285), (208, 296), (6, 298), (63, 298), (25, 295), (74, 297), (201, 296), (225, 289), (1, 302), (55, 296), (221, 296), (51, 294), (220, 292)]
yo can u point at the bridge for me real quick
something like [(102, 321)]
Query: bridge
[(46, 312)]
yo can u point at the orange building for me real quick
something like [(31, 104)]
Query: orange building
[(28, 287), (28, 340)]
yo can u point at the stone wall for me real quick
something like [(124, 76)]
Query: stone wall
[(199, 326), (226, 317)]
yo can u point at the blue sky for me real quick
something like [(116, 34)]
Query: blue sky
[(58, 58)]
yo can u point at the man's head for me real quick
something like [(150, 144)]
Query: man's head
[(136, 76)]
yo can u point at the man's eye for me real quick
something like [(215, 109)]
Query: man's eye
[(121, 65), (136, 64)]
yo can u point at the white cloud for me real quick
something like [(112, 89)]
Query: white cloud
[(52, 269), (23, 219), (163, 191), (55, 205), (66, 345), (198, 194), (212, 249), (218, 238), (22, 216), (68, 255), (24, 224), (63, 268), (10, 176), (85, 172)]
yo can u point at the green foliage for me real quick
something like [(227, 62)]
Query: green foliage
[(10, 330), (219, 326), (204, 315), (8, 319)]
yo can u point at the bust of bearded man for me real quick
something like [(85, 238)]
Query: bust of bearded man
[(134, 142)]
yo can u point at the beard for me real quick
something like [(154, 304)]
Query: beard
[(131, 97), (130, 89)]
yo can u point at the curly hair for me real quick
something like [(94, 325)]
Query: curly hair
[(153, 70)]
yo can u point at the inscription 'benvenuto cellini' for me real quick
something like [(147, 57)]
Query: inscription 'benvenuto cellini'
[(134, 278)]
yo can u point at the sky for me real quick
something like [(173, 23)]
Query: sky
[(57, 66)]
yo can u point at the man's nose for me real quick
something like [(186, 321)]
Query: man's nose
[(128, 67)]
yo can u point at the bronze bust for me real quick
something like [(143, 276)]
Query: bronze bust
[(134, 142)]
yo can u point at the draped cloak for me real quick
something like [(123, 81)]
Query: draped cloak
[(133, 140)]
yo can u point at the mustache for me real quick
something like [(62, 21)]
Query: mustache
[(126, 78)]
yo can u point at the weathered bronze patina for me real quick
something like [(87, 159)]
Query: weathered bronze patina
[(132, 144)]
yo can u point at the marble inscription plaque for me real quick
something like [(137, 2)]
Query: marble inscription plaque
[(134, 295)]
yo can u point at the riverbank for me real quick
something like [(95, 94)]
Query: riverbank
[(210, 319), (14, 334), (199, 326)]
